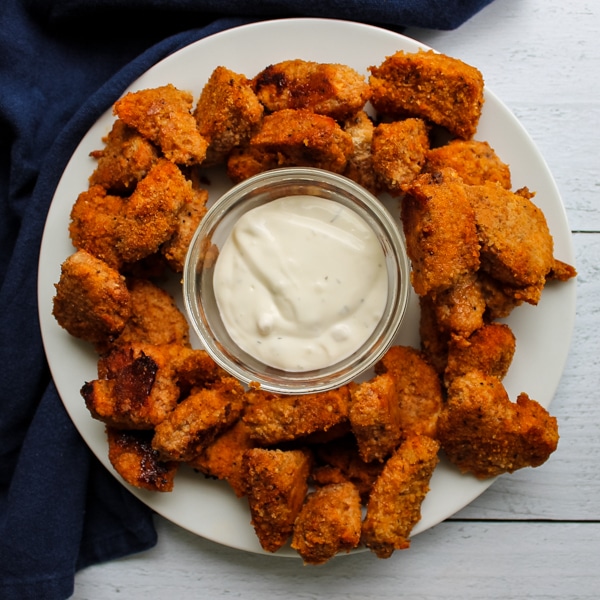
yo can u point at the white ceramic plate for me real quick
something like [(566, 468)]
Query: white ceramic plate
[(206, 507)]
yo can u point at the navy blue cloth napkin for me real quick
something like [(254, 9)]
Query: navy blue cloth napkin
[(62, 63)]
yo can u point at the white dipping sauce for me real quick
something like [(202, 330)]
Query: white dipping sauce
[(301, 282)]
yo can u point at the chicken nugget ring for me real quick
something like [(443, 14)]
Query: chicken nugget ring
[(333, 471)]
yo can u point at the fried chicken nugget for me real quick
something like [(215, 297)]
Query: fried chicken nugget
[(136, 388), (434, 340), (276, 485), (92, 301), (490, 350), (292, 137), (163, 115), (329, 523), (476, 162), (359, 168), (399, 149), (516, 244), (484, 433), (436, 87), (223, 457), (227, 113), (274, 418), (334, 90), (126, 158), (198, 419), (150, 214), (441, 235), (133, 458), (394, 506)]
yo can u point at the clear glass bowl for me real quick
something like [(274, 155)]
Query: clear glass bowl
[(214, 229)]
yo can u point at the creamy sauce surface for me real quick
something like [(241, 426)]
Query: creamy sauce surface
[(301, 282)]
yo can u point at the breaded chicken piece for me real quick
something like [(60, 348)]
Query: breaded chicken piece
[(334, 90), (359, 168), (223, 457), (434, 340), (92, 226), (399, 149), (516, 244), (163, 115), (484, 433), (394, 506), (195, 368), (562, 271), (418, 387), (375, 417), (132, 456), (500, 301), (138, 391), (436, 87), (476, 162), (227, 113), (92, 301), (460, 309), (276, 485), (490, 350), (188, 218), (340, 461), (198, 420), (292, 137), (329, 523), (274, 418), (155, 317), (150, 215), (126, 158), (441, 235)]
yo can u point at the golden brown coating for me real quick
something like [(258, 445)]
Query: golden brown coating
[(126, 158), (441, 237), (274, 418), (460, 309), (476, 162), (132, 456), (93, 223), (92, 301), (227, 113), (484, 433), (163, 115), (436, 87), (516, 244), (399, 149), (394, 506), (375, 417), (418, 387), (335, 90), (223, 457), (500, 300), (359, 168), (562, 271), (155, 317), (137, 393), (490, 350), (434, 341), (329, 523), (276, 484), (188, 218), (290, 137), (150, 214), (198, 419)]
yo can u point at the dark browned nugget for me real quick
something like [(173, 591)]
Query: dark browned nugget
[(399, 149), (329, 523), (163, 115), (227, 113), (92, 301), (133, 458), (335, 90), (276, 485), (436, 87), (394, 506), (484, 433), (440, 229)]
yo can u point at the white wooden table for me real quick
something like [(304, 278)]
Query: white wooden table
[(533, 534)]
